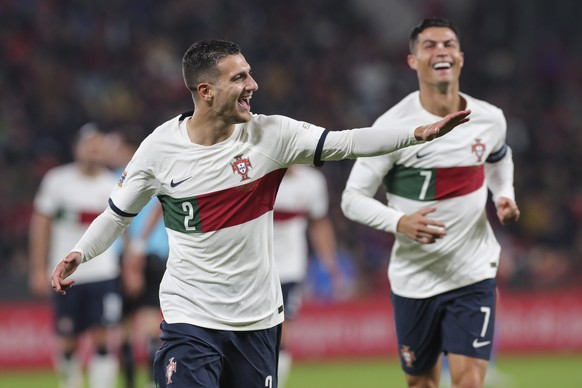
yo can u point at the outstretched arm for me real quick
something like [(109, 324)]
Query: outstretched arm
[(442, 127), (377, 141)]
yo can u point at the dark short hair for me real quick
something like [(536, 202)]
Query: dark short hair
[(431, 22), (200, 60)]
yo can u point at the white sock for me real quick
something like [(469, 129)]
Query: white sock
[(70, 373), (103, 371), (285, 362)]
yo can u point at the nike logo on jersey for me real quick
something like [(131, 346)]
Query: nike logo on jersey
[(479, 344), (174, 184), (419, 155)]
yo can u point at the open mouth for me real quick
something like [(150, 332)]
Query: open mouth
[(245, 103), (442, 65)]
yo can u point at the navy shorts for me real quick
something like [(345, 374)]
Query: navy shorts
[(460, 321), (291, 299), (88, 305), (193, 356)]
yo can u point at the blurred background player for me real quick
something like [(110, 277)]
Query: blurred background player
[(300, 211), (445, 258), (143, 249), (69, 198)]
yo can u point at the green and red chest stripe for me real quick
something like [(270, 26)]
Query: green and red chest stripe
[(224, 208), (428, 184)]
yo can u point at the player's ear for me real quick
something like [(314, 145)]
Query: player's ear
[(462, 54), (411, 59), (204, 91)]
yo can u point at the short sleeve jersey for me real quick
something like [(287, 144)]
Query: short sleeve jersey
[(218, 211), (301, 197), (447, 173), (73, 201)]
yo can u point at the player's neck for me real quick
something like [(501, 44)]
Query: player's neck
[(441, 101), (207, 132)]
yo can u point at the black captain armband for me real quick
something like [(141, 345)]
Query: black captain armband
[(118, 211), (317, 162), (498, 155)]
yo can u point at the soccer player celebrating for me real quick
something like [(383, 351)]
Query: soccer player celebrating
[(216, 172), (445, 258)]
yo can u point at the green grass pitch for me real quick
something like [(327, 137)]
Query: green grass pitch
[(521, 372)]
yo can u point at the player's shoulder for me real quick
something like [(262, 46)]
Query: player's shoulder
[(280, 121), (478, 106), (272, 128), (170, 127), (165, 133), (60, 172), (262, 121)]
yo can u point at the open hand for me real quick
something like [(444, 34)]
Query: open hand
[(420, 228), (64, 269), (442, 127)]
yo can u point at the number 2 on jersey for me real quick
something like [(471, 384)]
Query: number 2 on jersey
[(189, 209)]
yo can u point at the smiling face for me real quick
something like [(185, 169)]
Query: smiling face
[(229, 94), (437, 58)]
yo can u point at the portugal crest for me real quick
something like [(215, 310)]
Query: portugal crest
[(170, 370), (478, 149), (241, 166), (407, 355)]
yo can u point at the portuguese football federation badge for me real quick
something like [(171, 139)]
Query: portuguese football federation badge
[(478, 149), (407, 355), (170, 370), (241, 166)]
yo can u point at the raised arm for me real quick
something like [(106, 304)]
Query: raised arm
[(377, 141), (442, 127)]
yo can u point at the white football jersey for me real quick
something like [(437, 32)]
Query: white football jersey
[(218, 211), (447, 173), (301, 197), (73, 201)]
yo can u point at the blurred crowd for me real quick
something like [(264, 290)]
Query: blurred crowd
[(338, 64)]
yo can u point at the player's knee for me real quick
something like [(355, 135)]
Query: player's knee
[(422, 381)]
